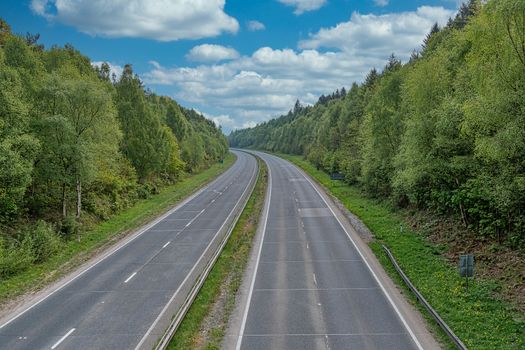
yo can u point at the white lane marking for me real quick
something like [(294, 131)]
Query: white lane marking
[(167, 244), (196, 216), (63, 338), (130, 277), (150, 329), (252, 285), (394, 306), (118, 247), (315, 280)]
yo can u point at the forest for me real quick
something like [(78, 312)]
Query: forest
[(79, 144), (443, 132)]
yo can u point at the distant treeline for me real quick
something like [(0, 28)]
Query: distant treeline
[(74, 139), (444, 131)]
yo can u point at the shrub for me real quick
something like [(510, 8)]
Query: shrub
[(14, 257), (68, 226), (43, 241)]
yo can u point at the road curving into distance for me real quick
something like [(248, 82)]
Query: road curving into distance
[(126, 298), (311, 284)]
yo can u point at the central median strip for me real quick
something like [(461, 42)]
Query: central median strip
[(205, 322), (167, 322)]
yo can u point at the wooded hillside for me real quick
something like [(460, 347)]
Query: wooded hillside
[(77, 142), (444, 131)]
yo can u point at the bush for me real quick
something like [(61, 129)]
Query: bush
[(43, 241), (14, 257), (68, 226)]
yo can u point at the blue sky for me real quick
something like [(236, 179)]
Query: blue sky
[(239, 62)]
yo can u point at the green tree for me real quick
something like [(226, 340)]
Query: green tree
[(78, 122)]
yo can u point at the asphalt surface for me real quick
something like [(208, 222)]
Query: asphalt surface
[(312, 288), (114, 303)]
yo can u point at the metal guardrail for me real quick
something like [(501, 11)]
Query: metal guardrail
[(459, 344), (164, 341)]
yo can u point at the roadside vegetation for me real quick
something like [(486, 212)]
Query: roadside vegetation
[(79, 145), (71, 253), (478, 318), (444, 131), (205, 323)]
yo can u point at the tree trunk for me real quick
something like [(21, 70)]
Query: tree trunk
[(79, 205), (79, 197), (462, 209), (64, 203)]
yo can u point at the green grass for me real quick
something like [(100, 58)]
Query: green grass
[(225, 277), (73, 253), (479, 319)]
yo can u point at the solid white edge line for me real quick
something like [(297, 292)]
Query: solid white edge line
[(252, 284), (130, 277), (412, 335), (114, 250), (63, 338), (195, 265)]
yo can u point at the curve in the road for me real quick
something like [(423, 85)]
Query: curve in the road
[(116, 301)]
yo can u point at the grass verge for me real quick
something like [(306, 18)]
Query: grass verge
[(73, 253), (478, 318), (206, 321)]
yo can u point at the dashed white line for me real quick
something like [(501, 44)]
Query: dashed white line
[(167, 244), (315, 280), (130, 277), (63, 338), (196, 216), (383, 289)]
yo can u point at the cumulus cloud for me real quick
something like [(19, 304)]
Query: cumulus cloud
[(251, 89), (302, 6), (163, 20), (380, 34), (211, 53), (113, 68), (255, 25), (254, 88)]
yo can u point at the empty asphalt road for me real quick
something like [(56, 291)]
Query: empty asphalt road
[(114, 304), (311, 286)]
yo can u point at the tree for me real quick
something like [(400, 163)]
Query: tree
[(5, 31), (80, 120), (18, 149), (145, 141)]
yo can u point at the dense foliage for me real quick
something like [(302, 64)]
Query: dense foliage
[(74, 139), (445, 131)]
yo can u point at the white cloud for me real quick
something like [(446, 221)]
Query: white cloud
[(302, 6), (381, 2), (379, 35), (211, 53), (113, 68), (252, 89), (163, 20), (255, 25)]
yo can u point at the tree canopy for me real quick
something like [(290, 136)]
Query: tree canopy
[(444, 131)]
